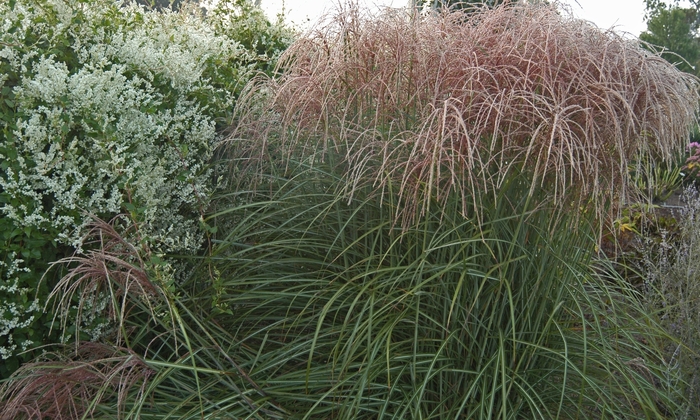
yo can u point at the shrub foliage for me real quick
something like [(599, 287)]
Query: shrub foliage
[(109, 109)]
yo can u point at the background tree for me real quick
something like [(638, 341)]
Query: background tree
[(672, 31)]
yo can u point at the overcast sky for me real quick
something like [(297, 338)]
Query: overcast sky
[(622, 15)]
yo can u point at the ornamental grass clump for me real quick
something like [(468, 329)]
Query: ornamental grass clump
[(456, 104), (401, 237), (163, 357), (313, 307), (418, 202)]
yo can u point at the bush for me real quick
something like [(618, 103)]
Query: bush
[(106, 110)]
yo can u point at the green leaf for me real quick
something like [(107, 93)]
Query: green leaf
[(11, 364)]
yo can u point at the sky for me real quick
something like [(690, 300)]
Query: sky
[(621, 15), (625, 16)]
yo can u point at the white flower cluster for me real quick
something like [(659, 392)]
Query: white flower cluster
[(89, 319), (125, 121), (108, 108), (14, 315)]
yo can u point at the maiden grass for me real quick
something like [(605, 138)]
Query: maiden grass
[(347, 315), (368, 261)]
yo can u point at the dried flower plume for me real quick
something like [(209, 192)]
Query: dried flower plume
[(441, 104), (67, 387)]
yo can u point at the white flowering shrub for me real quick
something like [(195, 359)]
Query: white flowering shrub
[(108, 108)]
